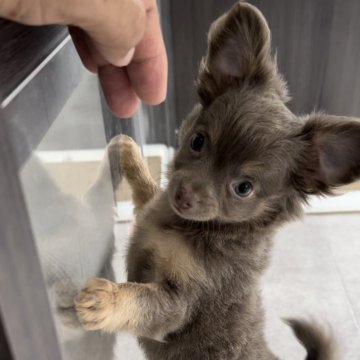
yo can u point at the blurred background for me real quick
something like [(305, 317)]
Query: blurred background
[(79, 210)]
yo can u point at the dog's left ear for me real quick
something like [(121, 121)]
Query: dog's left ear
[(331, 153), (238, 52)]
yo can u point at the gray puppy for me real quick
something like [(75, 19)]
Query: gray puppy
[(245, 165)]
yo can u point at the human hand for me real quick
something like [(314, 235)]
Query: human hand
[(121, 40)]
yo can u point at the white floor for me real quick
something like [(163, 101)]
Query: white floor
[(315, 272)]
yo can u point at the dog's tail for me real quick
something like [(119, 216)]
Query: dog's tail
[(319, 343)]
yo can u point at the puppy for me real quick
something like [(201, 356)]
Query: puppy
[(245, 166)]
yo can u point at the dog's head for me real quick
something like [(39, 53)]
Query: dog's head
[(244, 156)]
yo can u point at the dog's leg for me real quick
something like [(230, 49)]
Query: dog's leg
[(149, 310), (136, 172)]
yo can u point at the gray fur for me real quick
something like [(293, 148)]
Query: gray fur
[(199, 248), (319, 344), (251, 133)]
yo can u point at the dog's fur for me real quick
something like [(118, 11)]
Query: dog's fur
[(199, 249)]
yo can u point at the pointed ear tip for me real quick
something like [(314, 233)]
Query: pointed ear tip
[(240, 13), (242, 6), (244, 10)]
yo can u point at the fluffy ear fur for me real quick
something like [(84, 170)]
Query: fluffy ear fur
[(238, 52), (332, 153)]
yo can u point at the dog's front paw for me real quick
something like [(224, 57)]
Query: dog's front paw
[(96, 303), (130, 155)]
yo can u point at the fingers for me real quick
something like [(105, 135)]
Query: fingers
[(121, 40), (81, 43), (118, 90), (115, 28), (148, 69), (145, 78)]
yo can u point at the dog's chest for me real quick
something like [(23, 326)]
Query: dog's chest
[(159, 255), (191, 258)]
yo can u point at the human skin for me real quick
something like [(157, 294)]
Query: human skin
[(120, 40)]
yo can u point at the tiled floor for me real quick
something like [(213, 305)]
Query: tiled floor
[(315, 273)]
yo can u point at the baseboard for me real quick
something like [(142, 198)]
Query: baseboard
[(347, 202)]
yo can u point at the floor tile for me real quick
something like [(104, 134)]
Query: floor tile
[(304, 281)]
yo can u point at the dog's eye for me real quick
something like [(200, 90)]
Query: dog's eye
[(243, 189), (197, 142)]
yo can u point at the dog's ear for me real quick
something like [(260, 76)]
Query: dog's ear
[(331, 154), (238, 52)]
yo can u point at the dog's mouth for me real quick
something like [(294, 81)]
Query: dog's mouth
[(178, 210)]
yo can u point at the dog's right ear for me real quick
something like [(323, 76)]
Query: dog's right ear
[(331, 156), (238, 52)]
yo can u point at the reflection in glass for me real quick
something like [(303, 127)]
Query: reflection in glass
[(77, 217), (69, 195)]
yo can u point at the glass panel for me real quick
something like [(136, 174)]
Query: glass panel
[(68, 189), (81, 225)]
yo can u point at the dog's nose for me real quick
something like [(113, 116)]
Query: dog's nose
[(185, 198)]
